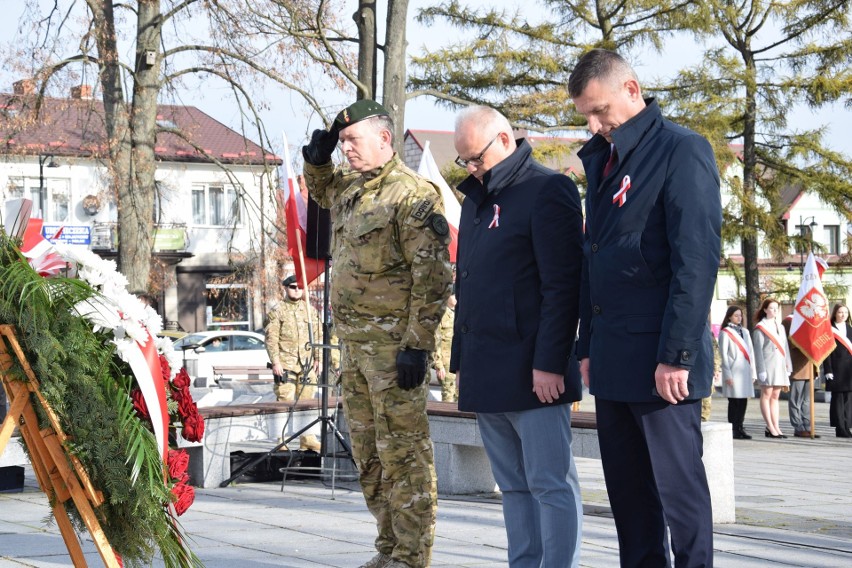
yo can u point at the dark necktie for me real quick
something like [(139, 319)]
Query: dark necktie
[(610, 163)]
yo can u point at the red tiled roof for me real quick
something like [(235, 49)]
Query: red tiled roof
[(75, 127)]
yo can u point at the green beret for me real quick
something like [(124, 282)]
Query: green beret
[(358, 111), (289, 280)]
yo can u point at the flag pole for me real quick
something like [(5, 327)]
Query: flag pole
[(814, 375), (297, 193)]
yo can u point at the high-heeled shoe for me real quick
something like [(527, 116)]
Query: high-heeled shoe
[(769, 434)]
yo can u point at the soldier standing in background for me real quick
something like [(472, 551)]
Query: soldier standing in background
[(287, 334), (389, 286), (447, 380)]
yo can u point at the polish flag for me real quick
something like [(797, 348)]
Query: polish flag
[(810, 329), (452, 209), (296, 213), (38, 251)]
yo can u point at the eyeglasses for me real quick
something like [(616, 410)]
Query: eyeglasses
[(477, 161), (293, 286)]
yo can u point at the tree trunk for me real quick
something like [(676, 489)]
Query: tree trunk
[(136, 214), (749, 241), (365, 20), (116, 112), (394, 76)]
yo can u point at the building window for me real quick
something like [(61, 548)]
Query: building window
[(228, 306), (832, 238), (216, 205), (56, 194)]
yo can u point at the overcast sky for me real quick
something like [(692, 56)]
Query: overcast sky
[(288, 114)]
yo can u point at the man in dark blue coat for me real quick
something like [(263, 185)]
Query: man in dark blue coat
[(653, 221), (517, 285)]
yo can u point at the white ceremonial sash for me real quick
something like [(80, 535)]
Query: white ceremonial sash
[(842, 339), (773, 338), (738, 341)]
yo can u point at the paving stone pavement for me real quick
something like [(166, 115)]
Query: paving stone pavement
[(793, 496)]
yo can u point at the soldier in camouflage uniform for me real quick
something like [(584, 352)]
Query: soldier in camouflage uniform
[(449, 390), (389, 284), (286, 336)]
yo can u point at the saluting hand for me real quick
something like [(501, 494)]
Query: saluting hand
[(547, 386), (671, 383)]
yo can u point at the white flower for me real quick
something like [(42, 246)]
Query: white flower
[(99, 311)]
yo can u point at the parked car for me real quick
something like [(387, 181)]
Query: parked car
[(171, 334), (204, 350)]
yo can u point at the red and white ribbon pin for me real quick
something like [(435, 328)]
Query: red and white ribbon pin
[(495, 222), (621, 195)]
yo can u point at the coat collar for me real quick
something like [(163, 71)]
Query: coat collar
[(500, 176), (627, 136), (375, 177)]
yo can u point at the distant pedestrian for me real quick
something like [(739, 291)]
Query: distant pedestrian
[(389, 286), (652, 247), (441, 363), (838, 373), (287, 335), (799, 398), (738, 368), (773, 363)]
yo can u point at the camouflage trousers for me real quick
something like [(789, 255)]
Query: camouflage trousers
[(393, 451), (292, 387), (449, 393)]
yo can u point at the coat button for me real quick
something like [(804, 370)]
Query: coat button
[(684, 355), (464, 328), (596, 309), (477, 221), (595, 247), (464, 274)]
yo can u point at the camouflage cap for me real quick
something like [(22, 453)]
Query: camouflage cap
[(358, 111), (289, 280)]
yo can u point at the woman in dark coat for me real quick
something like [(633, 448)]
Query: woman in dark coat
[(838, 373)]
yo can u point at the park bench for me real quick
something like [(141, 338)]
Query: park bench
[(460, 460)]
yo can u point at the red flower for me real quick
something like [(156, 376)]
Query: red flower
[(193, 427), (184, 497), (139, 405), (186, 406), (164, 368), (181, 380), (178, 464)]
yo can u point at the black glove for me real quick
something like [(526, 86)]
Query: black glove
[(411, 368), (321, 147)]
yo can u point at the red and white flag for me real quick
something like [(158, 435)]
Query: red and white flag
[(810, 329), (296, 214), (452, 209)]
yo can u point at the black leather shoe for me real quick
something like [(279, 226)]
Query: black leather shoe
[(841, 433), (769, 434), (744, 435)]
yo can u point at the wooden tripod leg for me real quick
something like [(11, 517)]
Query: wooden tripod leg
[(52, 486), (12, 418)]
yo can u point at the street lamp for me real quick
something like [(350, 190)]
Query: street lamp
[(811, 226), (42, 191)]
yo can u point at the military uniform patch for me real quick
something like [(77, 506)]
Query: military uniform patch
[(439, 224), (422, 209)]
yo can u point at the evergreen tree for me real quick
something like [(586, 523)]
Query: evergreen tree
[(768, 58)]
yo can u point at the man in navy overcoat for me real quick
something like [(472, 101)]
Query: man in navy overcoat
[(652, 246), (518, 285)]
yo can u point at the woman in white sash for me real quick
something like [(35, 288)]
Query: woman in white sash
[(773, 363), (838, 373), (738, 368)]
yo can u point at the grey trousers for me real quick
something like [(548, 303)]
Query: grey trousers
[(799, 404)]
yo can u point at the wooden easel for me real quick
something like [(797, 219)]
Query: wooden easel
[(60, 475)]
